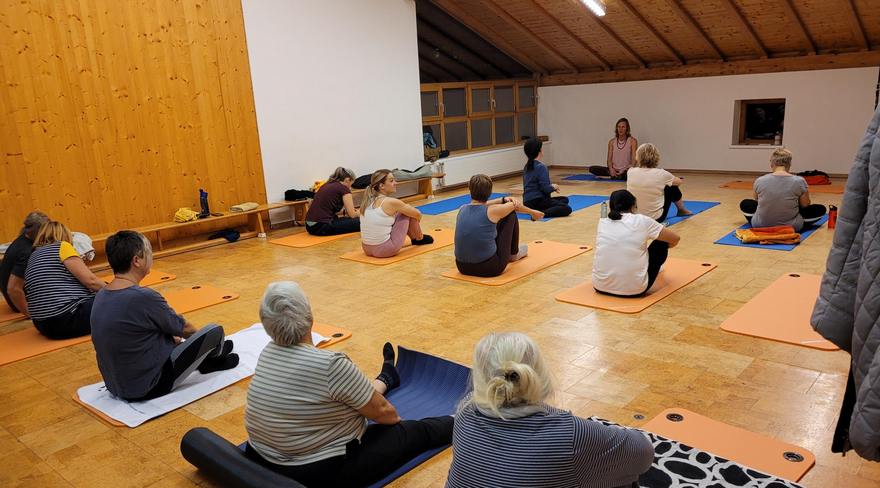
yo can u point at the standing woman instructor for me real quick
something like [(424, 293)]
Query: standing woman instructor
[(536, 184), (621, 153)]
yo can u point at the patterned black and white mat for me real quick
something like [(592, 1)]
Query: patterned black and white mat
[(679, 466)]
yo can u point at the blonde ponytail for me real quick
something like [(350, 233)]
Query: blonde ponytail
[(509, 372), (371, 193)]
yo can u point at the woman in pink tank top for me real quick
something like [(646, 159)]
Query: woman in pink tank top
[(621, 152)]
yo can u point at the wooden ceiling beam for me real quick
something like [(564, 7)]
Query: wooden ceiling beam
[(753, 36), (802, 29), (858, 59), (425, 25), (692, 24), (635, 13), (610, 33), (494, 7), (559, 25), (490, 35), (856, 24), (450, 57), (437, 68)]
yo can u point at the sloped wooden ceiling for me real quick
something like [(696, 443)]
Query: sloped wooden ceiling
[(654, 39), (449, 51)]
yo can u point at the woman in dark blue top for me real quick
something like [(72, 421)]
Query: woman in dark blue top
[(487, 231), (536, 184)]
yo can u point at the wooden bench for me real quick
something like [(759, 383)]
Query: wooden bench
[(426, 188), (254, 228)]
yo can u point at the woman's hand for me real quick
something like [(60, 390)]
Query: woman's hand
[(555, 187)]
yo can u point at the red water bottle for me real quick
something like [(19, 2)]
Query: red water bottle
[(832, 216)]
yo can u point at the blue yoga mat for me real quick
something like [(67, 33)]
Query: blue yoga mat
[(576, 202), (451, 204), (591, 177), (731, 240), (429, 387), (695, 207)]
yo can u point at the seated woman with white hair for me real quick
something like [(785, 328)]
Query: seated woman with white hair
[(505, 423), (307, 408)]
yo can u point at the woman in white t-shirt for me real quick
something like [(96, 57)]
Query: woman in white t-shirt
[(655, 189), (624, 264)]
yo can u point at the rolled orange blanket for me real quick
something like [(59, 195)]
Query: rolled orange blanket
[(781, 234)]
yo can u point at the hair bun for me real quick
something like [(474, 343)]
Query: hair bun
[(511, 376)]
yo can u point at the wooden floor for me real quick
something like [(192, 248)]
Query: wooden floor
[(606, 364)]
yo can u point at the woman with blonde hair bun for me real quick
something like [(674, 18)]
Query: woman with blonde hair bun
[(505, 422)]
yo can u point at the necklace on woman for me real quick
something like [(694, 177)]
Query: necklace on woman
[(619, 145)]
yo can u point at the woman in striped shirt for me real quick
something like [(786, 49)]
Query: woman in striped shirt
[(307, 408), (58, 286), (506, 436)]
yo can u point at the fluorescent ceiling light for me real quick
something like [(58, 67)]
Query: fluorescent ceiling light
[(596, 6)]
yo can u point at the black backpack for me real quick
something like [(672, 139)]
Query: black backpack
[(296, 195), (362, 182)]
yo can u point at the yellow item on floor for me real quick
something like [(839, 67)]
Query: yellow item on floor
[(243, 207), (184, 214), (782, 234)]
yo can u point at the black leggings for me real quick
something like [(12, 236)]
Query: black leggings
[(381, 448), (185, 358), (658, 251), (77, 323), (506, 244), (604, 171), (337, 226), (671, 194), (811, 213), (551, 206)]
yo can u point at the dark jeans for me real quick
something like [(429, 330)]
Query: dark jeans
[(186, 358), (77, 323), (671, 194), (339, 225), (551, 206), (506, 244), (811, 213), (604, 171), (658, 251), (381, 448)]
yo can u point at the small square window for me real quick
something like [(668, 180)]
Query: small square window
[(759, 121)]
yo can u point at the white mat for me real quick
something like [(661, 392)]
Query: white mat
[(249, 343)]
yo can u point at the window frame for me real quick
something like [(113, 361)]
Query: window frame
[(741, 113)]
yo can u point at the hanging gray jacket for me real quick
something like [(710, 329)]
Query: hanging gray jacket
[(847, 311)]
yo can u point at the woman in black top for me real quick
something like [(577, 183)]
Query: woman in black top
[(331, 198)]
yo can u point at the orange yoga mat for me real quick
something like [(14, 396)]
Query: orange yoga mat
[(782, 313), (442, 238), (542, 255), (29, 343), (676, 274), (155, 277), (197, 297), (6, 313), (732, 443), (334, 333), (305, 239), (750, 184)]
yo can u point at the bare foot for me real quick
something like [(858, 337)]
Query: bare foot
[(683, 212), (536, 215)]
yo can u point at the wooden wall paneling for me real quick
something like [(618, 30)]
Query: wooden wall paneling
[(801, 29), (630, 30), (721, 27), (828, 24), (694, 27), (571, 35), (641, 20), (426, 28), (868, 12), (479, 27), (746, 27), (516, 24), (674, 30), (586, 24), (855, 23), (775, 28), (426, 47)]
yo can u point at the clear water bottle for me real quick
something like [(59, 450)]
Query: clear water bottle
[(604, 210)]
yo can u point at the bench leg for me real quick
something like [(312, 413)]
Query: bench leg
[(255, 223), (426, 187)]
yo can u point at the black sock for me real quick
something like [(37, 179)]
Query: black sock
[(227, 348), (389, 374), (222, 363), (426, 239)]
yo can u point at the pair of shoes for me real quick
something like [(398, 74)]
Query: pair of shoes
[(426, 239), (523, 252)]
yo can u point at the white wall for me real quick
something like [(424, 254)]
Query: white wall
[(691, 120), (459, 169), (336, 83)]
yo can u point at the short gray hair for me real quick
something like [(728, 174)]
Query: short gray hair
[(32, 224), (286, 313)]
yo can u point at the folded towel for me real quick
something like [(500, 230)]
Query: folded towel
[(243, 207), (782, 234), (185, 214)]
